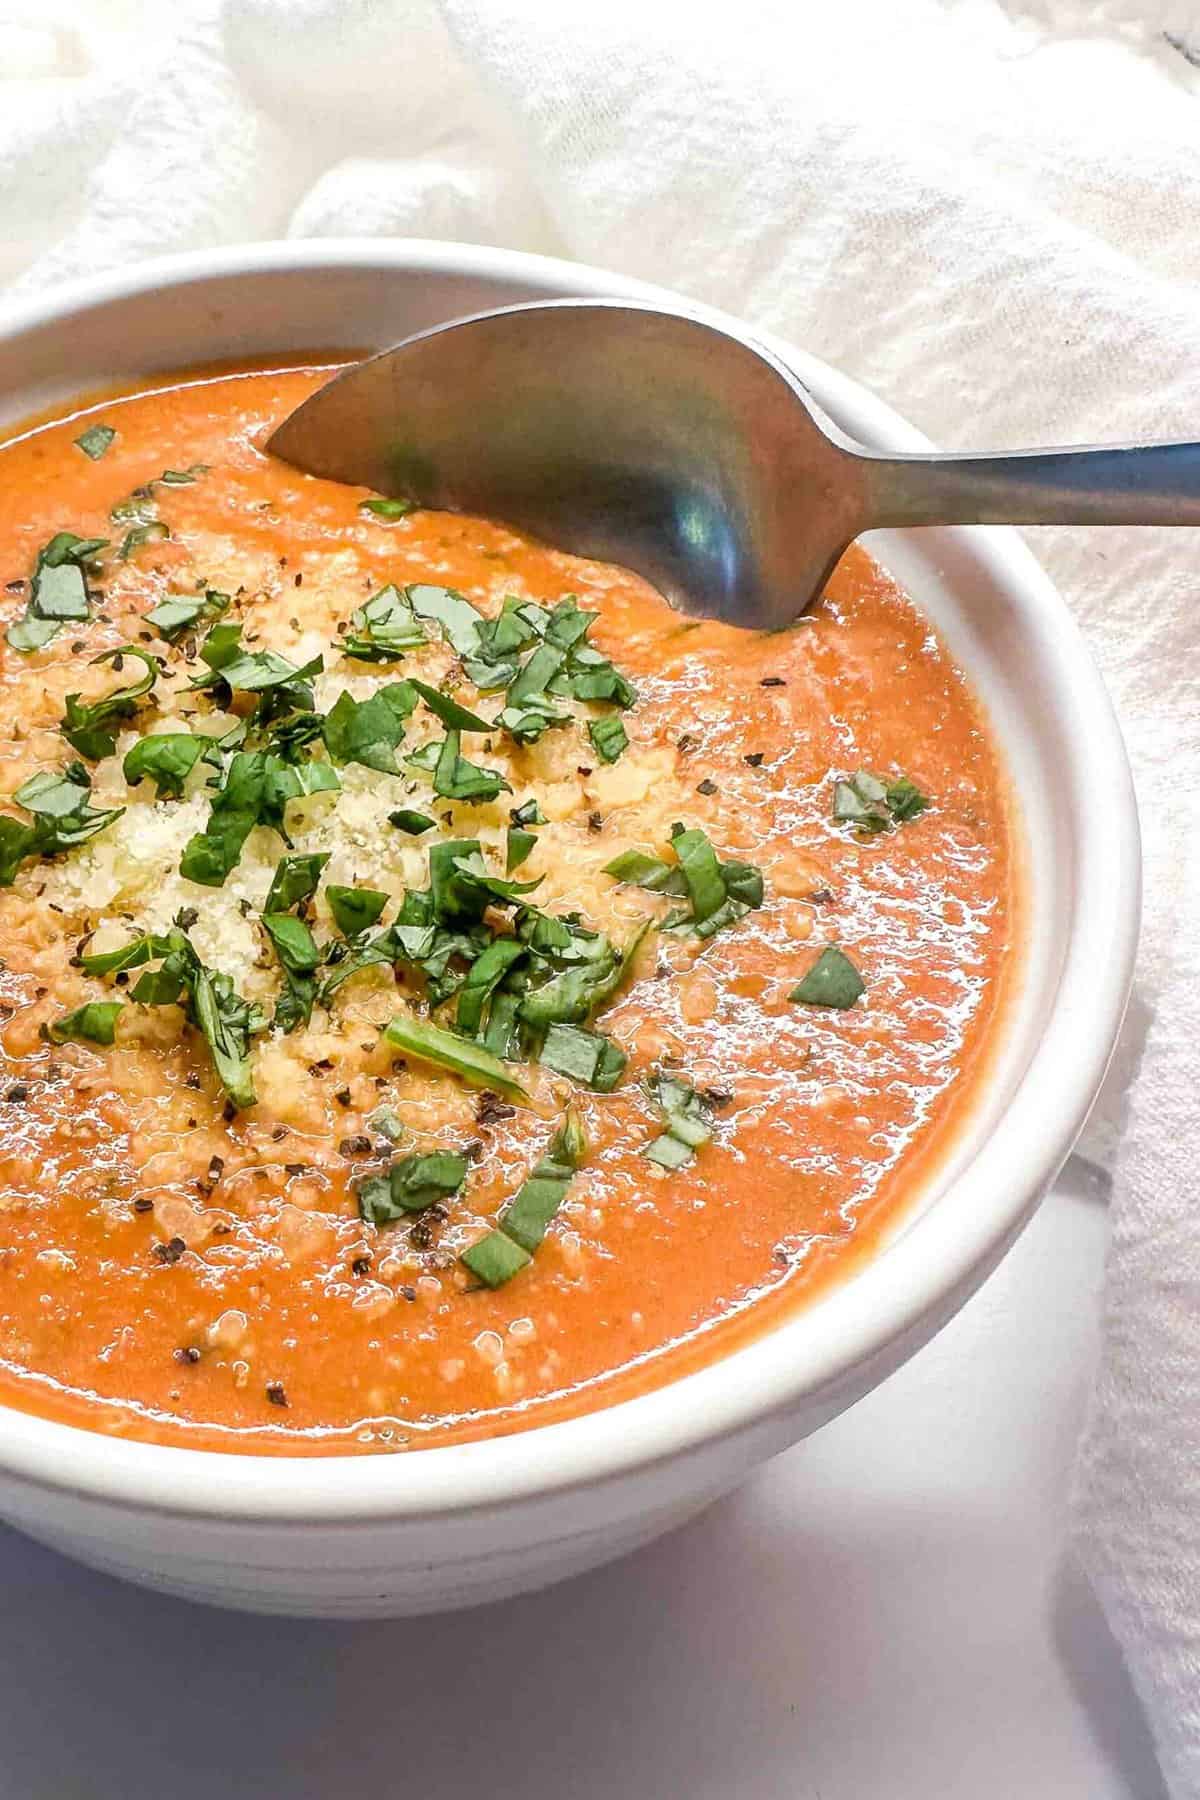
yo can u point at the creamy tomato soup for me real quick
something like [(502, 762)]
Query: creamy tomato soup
[(443, 989)]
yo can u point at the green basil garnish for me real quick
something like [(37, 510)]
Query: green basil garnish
[(411, 1185), (85, 724), (180, 613), (586, 1056), (167, 759), (414, 823), (833, 981), (871, 805), (58, 591), (95, 441), (387, 509), (458, 621), (95, 1023), (608, 737), (686, 1119), (212, 1004), (429, 1043), (295, 880), (518, 846), (355, 909), (152, 532), (456, 717), (509, 1246), (384, 629), (454, 778), (299, 958), (540, 1195), (255, 791), (368, 731), (62, 818), (495, 1259)]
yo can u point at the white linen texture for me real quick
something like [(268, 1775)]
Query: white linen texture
[(984, 210)]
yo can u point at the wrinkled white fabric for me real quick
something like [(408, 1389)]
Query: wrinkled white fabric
[(985, 210)]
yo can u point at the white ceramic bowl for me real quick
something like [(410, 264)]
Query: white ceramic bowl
[(431, 1529)]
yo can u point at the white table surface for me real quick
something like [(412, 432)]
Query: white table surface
[(881, 1614)]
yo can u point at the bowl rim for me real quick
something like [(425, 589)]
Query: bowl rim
[(900, 1297)]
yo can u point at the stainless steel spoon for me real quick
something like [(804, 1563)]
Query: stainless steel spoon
[(694, 457)]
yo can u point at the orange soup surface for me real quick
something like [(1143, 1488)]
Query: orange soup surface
[(442, 989)]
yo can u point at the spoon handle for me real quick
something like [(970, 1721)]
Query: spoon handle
[(1131, 484)]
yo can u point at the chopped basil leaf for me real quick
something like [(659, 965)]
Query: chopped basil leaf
[(172, 617), (585, 1056), (256, 672), (579, 990), (527, 723), (640, 870), (414, 823), (355, 909), (594, 678), (608, 738), (686, 1119), (132, 955), (368, 731), (294, 881), (212, 1004), (299, 959), (387, 509), (456, 898), (518, 846), (181, 477), (58, 590), (466, 886), (905, 800), (294, 943), (866, 803), (255, 791), (95, 441), (414, 1037), (483, 978), (291, 737), (17, 841), (227, 1022), (701, 871), (540, 1195), (459, 622), (532, 683), (85, 723), (62, 818), (508, 1248), (95, 1023), (56, 795), (530, 813), (167, 758), (449, 711), (383, 629), (315, 777), (454, 778), (833, 980), (343, 961), (153, 531), (412, 1184), (719, 893), (495, 1259)]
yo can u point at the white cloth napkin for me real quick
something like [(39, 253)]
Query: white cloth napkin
[(984, 209)]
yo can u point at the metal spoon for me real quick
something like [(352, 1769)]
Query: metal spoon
[(657, 440)]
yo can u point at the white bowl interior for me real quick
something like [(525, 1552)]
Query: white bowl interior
[(1006, 626)]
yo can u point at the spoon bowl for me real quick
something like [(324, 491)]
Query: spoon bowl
[(614, 430)]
